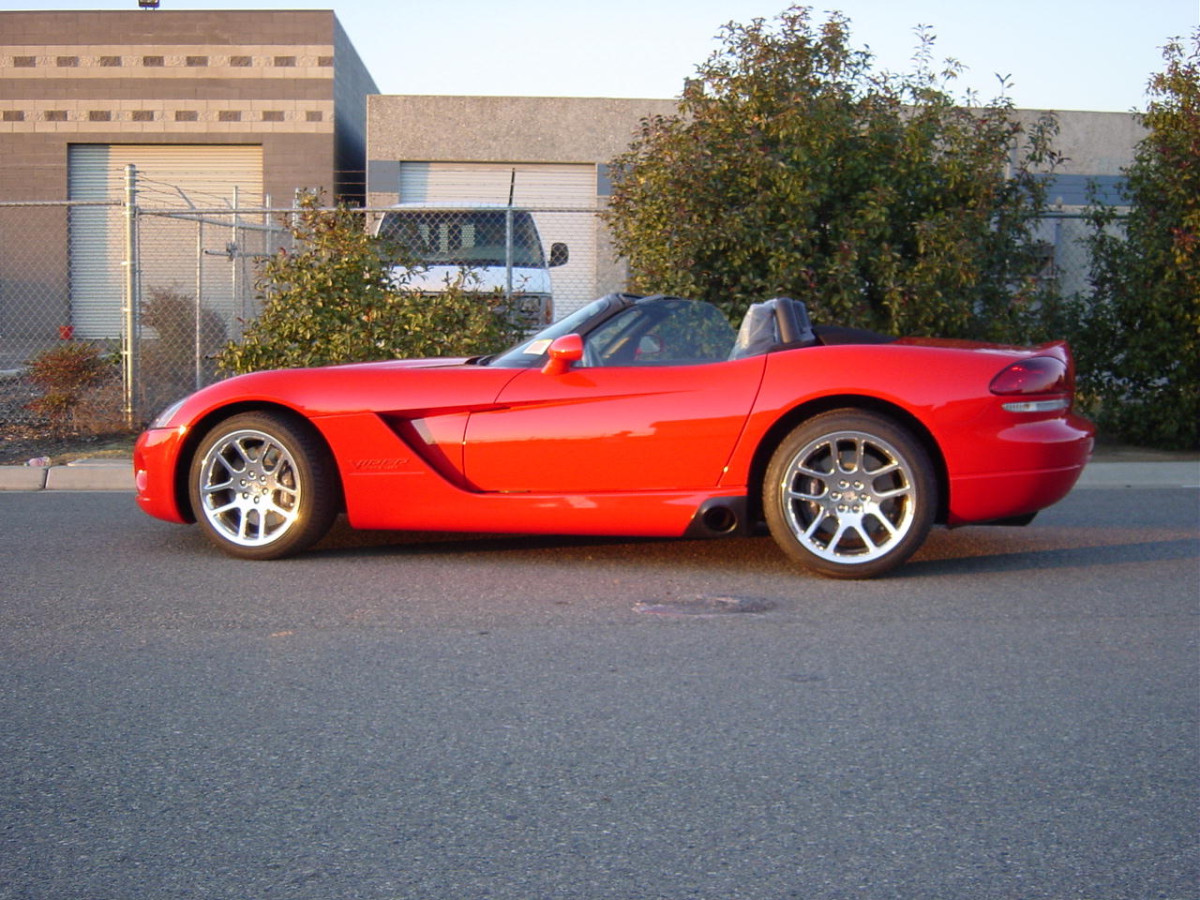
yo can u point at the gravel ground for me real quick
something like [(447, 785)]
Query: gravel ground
[(20, 443), (24, 435)]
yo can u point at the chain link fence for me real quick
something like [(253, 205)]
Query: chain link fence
[(1068, 261), (154, 293)]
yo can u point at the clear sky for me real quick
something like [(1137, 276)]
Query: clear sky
[(1058, 54)]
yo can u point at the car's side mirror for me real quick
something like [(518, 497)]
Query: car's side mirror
[(559, 254), (563, 352)]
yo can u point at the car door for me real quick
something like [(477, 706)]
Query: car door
[(612, 429), (654, 404)]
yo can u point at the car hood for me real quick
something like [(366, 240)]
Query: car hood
[(387, 385), (389, 365)]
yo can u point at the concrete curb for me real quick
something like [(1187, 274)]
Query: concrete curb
[(117, 475), (22, 478), (1141, 475), (82, 475)]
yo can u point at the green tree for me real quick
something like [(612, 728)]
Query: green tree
[(336, 299), (791, 167), (1139, 333)]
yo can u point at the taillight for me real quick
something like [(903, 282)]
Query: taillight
[(1036, 375)]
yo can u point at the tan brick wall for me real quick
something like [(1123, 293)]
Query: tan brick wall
[(275, 78), (145, 117), (165, 27)]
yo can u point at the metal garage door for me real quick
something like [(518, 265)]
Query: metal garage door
[(168, 177), (561, 196)]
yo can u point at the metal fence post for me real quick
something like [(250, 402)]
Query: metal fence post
[(132, 300), (198, 312), (236, 258), (508, 238)]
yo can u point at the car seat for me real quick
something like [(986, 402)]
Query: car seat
[(770, 324)]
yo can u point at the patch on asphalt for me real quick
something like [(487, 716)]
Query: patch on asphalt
[(706, 606)]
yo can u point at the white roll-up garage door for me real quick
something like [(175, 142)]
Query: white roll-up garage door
[(169, 177), (561, 196)]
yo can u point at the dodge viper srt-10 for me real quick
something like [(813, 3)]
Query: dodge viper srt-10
[(635, 415)]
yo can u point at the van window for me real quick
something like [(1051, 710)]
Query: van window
[(472, 238)]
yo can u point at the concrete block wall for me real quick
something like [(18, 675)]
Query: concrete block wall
[(266, 77)]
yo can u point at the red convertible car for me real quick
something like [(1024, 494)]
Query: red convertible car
[(635, 416)]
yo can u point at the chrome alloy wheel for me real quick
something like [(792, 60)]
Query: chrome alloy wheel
[(250, 490), (848, 497), (850, 493)]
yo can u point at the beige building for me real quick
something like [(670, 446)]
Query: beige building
[(547, 154), (552, 154)]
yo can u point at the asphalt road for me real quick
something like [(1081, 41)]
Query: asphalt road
[(1013, 715)]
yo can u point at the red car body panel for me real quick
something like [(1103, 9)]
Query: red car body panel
[(600, 430), (998, 464), (629, 450)]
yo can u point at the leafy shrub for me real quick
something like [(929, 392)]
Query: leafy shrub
[(169, 360), (173, 315), (1138, 335), (335, 299), (66, 374), (793, 168)]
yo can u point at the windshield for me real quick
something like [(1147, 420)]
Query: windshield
[(529, 352), (468, 237), (627, 330), (661, 331)]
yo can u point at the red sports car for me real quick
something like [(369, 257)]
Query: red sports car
[(635, 416)]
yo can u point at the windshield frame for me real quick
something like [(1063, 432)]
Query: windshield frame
[(531, 352)]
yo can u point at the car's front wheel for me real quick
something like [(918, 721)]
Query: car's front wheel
[(850, 494), (263, 486)]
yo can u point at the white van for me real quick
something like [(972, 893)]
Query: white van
[(489, 248)]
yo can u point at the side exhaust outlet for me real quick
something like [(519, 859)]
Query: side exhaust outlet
[(718, 517)]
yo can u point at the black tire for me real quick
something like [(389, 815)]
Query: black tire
[(263, 486), (850, 494)]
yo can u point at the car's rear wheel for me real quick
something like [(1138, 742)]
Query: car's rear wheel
[(263, 486), (849, 494)]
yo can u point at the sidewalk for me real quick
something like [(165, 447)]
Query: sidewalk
[(117, 475)]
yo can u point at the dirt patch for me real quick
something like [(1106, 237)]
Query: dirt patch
[(21, 443)]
